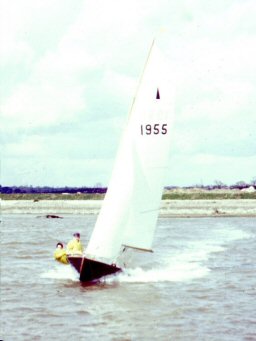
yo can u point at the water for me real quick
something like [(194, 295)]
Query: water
[(198, 285)]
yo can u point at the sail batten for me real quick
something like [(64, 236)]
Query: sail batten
[(130, 209)]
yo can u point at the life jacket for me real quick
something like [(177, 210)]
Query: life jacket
[(75, 246), (61, 256)]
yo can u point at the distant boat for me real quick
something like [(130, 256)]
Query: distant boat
[(130, 209)]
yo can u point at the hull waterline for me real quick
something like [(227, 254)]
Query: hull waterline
[(91, 270)]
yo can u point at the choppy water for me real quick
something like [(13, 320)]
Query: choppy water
[(200, 284)]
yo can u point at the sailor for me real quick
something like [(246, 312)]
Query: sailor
[(60, 254), (75, 246)]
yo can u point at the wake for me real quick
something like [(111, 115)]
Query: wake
[(188, 263), (61, 272), (173, 273)]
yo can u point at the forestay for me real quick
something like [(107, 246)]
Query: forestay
[(130, 209)]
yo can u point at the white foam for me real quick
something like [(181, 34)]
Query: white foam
[(172, 273), (186, 264), (201, 250), (198, 252), (61, 272), (182, 266), (233, 234)]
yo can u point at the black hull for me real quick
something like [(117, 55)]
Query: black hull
[(91, 270)]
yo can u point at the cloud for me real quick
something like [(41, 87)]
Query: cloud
[(59, 82), (41, 105), (28, 147), (205, 169), (70, 71), (58, 171)]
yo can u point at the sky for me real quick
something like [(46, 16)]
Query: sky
[(69, 71)]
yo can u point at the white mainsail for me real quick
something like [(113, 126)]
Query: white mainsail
[(130, 209)]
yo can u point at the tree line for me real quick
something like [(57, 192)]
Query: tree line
[(52, 190), (99, 189)]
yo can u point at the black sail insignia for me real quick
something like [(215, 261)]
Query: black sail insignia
[(157, 94)]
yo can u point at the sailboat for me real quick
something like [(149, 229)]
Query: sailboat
[(129, 212)]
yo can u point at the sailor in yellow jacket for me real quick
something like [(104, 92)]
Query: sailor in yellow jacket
[(75, 246), (60, 254)]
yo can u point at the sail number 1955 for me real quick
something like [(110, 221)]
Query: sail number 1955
[(153, 129)]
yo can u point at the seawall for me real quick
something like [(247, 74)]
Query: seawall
[(169, 208)]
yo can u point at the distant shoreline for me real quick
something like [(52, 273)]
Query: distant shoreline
[(168, 194), (169, 208)]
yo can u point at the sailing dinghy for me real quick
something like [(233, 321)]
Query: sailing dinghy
[(130, 208)]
